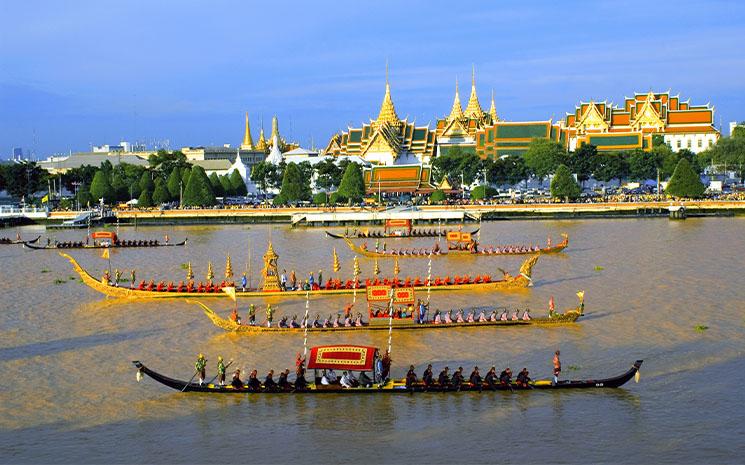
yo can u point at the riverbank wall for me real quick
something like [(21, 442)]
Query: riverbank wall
[(422, 215)]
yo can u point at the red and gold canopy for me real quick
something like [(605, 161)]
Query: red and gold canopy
[(342, 357)]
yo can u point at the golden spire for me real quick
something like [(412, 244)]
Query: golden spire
[(396, 268), (387, 110), (376, 269), (473, 110), (248, 143), (493, 109), (337, 265), (189, 273), (228, 268), (457, 111), (275, 128), (210, 274), (262, 145)]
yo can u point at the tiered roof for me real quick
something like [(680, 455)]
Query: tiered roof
[(645, 112), (401, 178), (387, 133), (461, 124)]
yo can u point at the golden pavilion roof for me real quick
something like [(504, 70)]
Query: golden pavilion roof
[(493, 109), (473, 109), (457, 111), (262, 144), (387, 112)]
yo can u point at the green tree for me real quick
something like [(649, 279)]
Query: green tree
[(543, 157), (185, 175), (216, 185), (563, 185), (583, 162), (161, 194), (227, 187), (135, 190), (101, 187), (120, 186), (642, 165), (174, 183), (265, 175), (515, 169), (447, 164), (164, 162), (685, 182), (295, 186), (82, 175), (327, 174), (611, 165), (146, 182), (237, 183), (198, 192), (729, 152), (437, 196), (321, 198), (739, 131), (84, 197), (482, 192), (24, 179), (352, 185), (337, 198), (145, 200)]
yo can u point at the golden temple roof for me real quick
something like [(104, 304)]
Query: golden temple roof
[(457, 111), (473, 110), (248, 143), (493, 109), (387, 110), (262, 145)]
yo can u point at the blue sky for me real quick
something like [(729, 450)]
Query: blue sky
[(81, 72)]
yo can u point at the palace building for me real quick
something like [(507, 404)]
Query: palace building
[(387, 140), (631, 126), (460, 127), (609, 127)]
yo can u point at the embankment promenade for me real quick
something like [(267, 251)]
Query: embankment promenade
[(425, 214)]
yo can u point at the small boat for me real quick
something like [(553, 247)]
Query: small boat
[(105, 240), (170, 290), (367, 359), (394, 229), (417, 232), (460, 247), (17, 240), (382, 323)]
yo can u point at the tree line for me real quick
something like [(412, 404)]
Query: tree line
[(544, 157), (293, 180), (167, 178)]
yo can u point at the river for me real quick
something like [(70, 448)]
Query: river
[(68, 392)]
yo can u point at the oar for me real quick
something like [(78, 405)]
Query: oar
[(192, 379), (226, 367)]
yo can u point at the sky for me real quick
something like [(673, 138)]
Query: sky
[(77, 73)]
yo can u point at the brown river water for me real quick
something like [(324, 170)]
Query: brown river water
[(68, 391)]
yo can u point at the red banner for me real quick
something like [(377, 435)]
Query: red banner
[(404, 295), (378, 293), (342, 357)]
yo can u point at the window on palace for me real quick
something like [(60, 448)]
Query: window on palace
[(680, 144), (689, 143), (700, 143), (711, 141)]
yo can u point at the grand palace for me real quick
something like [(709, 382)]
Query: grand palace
[(397, 152)]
